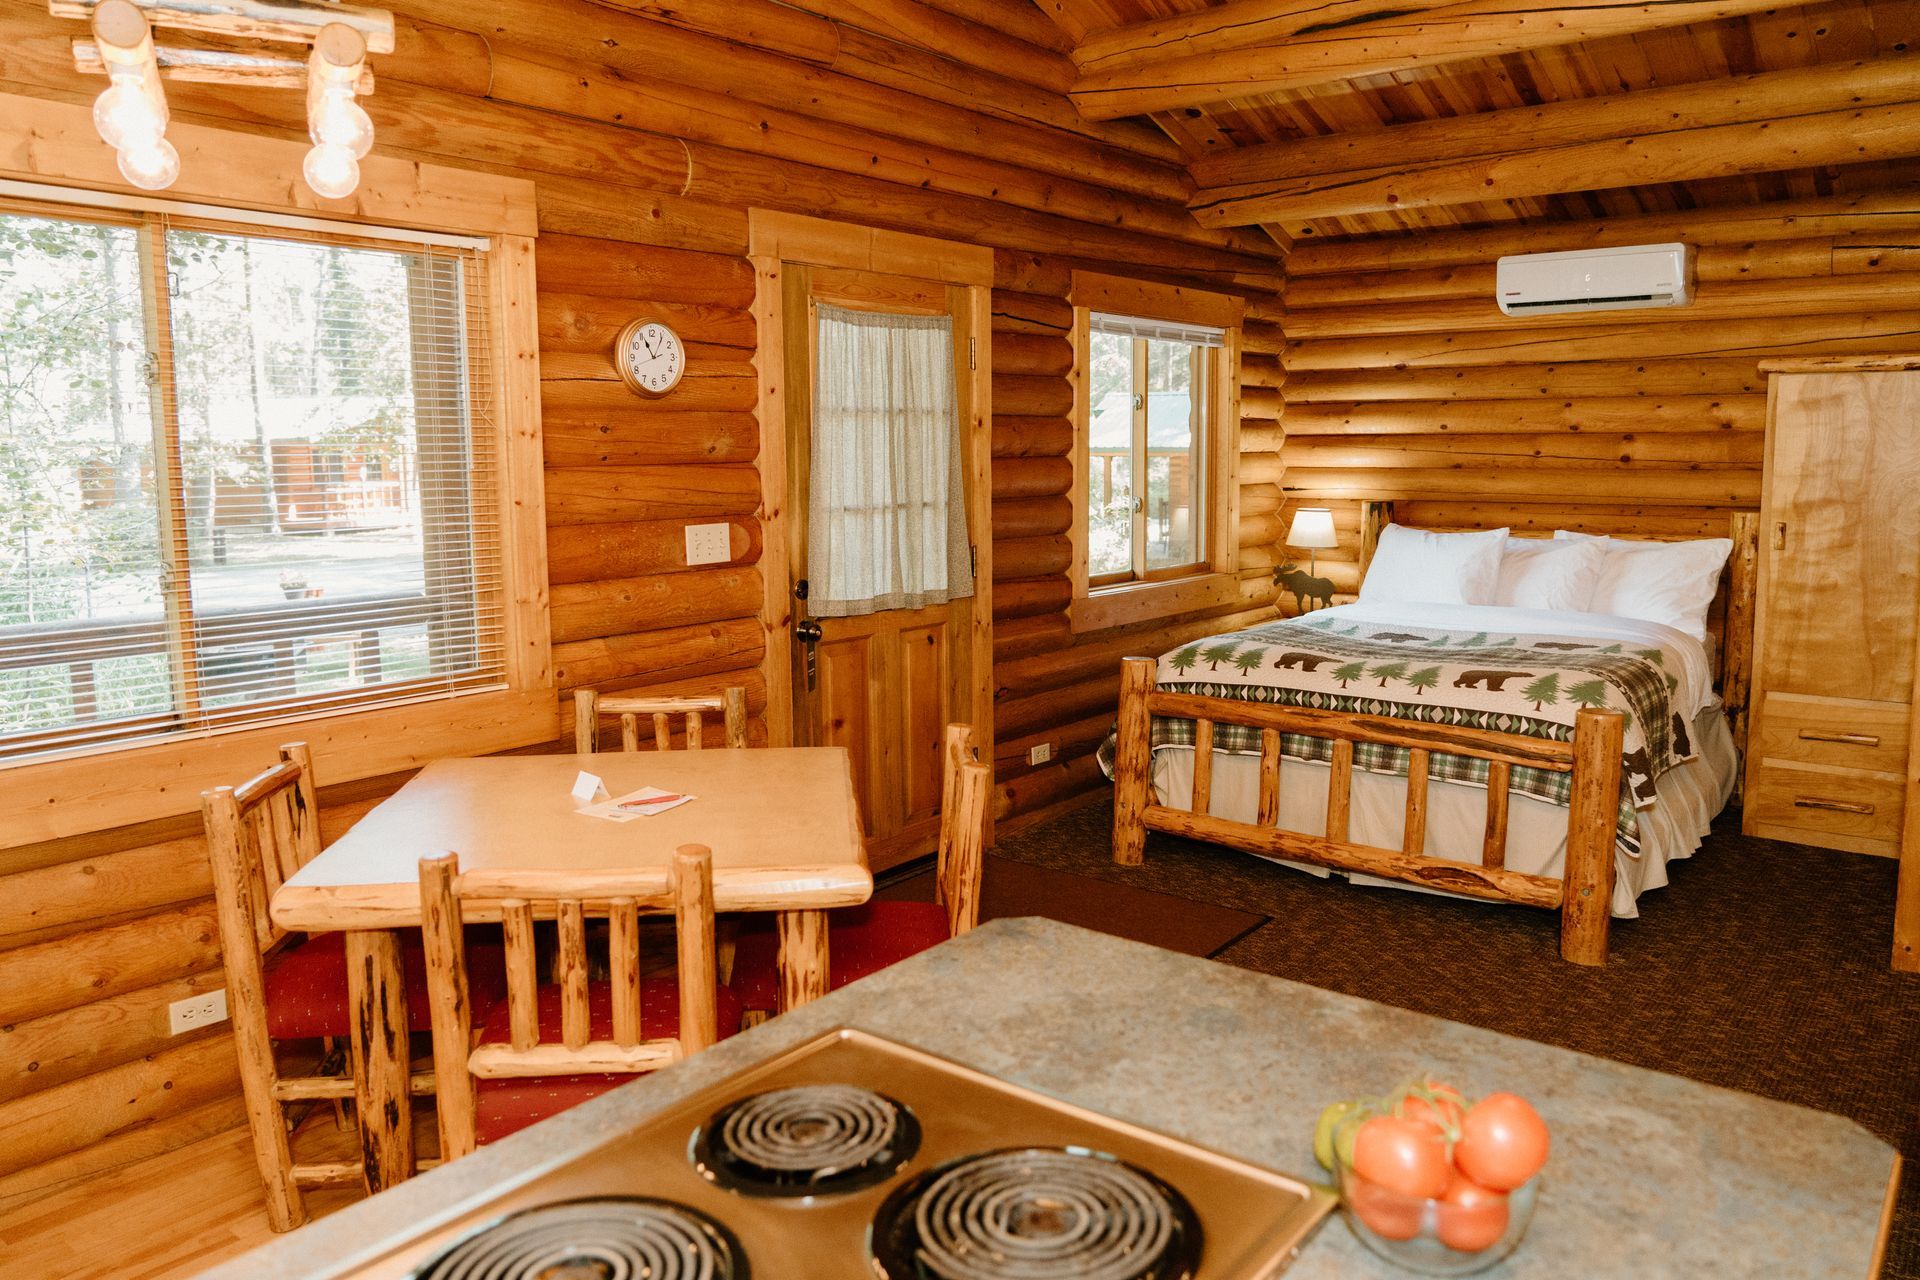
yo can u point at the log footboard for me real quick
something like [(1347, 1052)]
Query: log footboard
[(1584, 896)]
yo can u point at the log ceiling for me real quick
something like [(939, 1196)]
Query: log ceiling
[(1319, 119)]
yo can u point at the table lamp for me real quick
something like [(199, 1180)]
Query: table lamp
[(1312, 529)]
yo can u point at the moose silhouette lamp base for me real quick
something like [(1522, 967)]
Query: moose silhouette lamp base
[(1312, 529)]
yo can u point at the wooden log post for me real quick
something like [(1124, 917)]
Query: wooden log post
[(1593, 815), (444, 942), (693, 925), (804, 958), (1133, 762), (377, 992)]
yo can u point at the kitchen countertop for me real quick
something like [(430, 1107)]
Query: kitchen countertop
[(1651, 1174)]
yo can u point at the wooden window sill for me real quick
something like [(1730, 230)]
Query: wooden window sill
[(1104, 608), (47, 799)]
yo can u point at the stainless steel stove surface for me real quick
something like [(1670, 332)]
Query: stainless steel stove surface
[(853, 1156)]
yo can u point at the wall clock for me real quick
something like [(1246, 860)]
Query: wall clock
[(650, 357)]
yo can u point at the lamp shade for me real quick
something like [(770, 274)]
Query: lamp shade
[(1312, 529)]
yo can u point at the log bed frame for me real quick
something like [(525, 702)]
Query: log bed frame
[(1583, 896)]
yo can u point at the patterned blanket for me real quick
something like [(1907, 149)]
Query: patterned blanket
[(1524, 684)]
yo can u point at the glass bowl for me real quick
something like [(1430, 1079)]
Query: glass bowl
[(1422, 1235)]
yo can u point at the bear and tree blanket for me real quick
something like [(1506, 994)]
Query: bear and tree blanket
[(1509, 681)]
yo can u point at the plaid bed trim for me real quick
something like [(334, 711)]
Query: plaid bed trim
[(1435, 677)]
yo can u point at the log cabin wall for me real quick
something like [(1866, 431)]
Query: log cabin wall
[(1403, 381), (1052, 686), (646, 157)]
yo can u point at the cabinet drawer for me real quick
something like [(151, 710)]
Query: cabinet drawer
[(1839, 732), (1835, 809)]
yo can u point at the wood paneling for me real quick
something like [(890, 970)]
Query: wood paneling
[(647, 131), (1641, 422)]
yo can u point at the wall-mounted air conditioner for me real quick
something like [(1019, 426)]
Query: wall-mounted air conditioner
[(1644, 275)]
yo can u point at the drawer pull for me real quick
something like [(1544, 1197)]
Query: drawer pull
[(1838, 806), (1830, 735)]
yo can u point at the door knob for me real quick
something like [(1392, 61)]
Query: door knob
[(809, 632)]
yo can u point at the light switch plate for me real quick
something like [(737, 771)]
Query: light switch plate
[(198, 1011), (709, 543), (1040, 754)]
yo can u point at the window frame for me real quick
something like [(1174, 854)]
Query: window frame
[(1102, 602), (107, 785)]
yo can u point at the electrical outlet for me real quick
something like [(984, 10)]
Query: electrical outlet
[(709, 543), (198, 1011), (1040, 754)]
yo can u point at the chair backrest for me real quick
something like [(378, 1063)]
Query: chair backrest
[(589, 706), (446, 904), (258, 834), (965, 784)]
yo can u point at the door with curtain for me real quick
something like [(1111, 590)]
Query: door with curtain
[(880, 550)]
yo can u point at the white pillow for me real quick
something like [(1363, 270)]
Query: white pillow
[(1672, 583), (1536, 573), (1414, 566)]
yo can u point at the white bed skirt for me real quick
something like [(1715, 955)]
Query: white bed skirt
[(1690, 796)]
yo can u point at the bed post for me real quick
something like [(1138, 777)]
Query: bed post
[(1133, 762), (1374, 516), (1593, 814)]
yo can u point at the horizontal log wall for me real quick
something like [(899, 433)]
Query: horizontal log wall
[(1052, 687), (647, 143), (1405, 382)]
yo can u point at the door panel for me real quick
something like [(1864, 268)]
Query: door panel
[(885, 684)]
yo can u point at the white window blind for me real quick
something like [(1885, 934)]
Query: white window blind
[(887, 512), (1191, 335), (246, 475)]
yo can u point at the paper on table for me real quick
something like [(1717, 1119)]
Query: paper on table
[(587, 788), (643, 803)]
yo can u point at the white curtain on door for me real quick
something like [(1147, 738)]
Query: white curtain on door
[(887, 512)]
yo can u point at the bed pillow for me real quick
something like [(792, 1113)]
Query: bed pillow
[(1538, 573), (1672, 583), (1413, 566)]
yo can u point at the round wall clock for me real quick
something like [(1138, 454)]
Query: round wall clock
[(650, 357)]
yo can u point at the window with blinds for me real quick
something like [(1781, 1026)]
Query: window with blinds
[(247, 474), (1148, 429)]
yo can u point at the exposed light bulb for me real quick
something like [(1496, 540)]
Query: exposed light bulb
[(332, 171), (339, 121), (125, 117), (151, 164)]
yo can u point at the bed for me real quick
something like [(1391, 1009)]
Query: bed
[(1543, 756)]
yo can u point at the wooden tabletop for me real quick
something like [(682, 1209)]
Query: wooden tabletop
[(782, 824)]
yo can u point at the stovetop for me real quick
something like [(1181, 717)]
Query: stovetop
[(852, 1155)]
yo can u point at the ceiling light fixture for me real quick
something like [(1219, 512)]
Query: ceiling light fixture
[(132, 116)]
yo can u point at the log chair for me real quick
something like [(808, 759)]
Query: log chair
[(869, 937), (589, 705), (596, 1034)]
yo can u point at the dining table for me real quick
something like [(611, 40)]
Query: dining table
[(782, 822)]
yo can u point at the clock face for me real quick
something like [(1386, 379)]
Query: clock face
[(651, 357)]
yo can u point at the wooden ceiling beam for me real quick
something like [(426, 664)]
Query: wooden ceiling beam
[(839, 44), (1251, 47), (1863, 111)]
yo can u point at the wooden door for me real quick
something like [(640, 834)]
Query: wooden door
[(884, 685), (1841, 536)]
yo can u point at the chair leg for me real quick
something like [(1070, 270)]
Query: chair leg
[(750, 1018), (331, 1059)]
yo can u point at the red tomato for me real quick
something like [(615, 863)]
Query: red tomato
[(1404, 1156), (1443, 1110), (1503, 1142), (1385, 1213), (1470, 1217)]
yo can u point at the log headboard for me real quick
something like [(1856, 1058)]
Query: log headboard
[(1729, 619)]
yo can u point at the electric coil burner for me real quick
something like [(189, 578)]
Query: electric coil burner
[(808, 1140), (616, 1238), (853, 1156), (1036, 1213)]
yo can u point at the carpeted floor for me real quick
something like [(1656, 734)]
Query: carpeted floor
[(1011, 889), (1762, 967)]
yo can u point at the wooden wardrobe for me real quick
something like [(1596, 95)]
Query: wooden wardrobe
[(1833, 708)]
